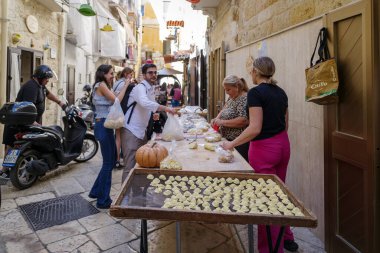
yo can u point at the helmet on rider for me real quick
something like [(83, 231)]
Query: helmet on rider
[(42, 72)]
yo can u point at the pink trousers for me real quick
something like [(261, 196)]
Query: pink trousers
[(271, 156)]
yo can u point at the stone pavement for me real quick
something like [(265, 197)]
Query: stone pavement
[(103, 233)]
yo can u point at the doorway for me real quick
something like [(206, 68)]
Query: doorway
[(21, 64), (349, 134), (70, 92)]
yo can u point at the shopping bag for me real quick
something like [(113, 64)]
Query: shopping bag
[(172, 129), (322, 77), (115, 118)]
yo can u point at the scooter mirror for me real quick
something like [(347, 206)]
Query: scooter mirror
[(60, 92)]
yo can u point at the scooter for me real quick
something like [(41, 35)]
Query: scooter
[(39, 149)]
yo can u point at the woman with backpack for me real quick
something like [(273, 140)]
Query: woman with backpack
[(103, 98)]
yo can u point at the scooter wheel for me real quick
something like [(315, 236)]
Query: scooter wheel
[(89, 149), (19, 177)]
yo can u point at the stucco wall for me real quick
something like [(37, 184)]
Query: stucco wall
[(291, 51), (48, 29)]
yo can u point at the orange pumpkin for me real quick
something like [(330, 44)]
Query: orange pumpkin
[(150, 155)]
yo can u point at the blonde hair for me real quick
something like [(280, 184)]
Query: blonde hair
[(233, 80), (265, 68)]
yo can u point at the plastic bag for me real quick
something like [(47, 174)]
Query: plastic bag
[(224, 156), (115, 118), (171, 162), (172, 129)]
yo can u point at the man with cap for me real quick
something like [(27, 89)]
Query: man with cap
[(34, 91)]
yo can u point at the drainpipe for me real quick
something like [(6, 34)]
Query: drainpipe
[(3, 61), (61, 70)]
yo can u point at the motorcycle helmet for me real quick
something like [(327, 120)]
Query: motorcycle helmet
[(87, 88), (43, 71)]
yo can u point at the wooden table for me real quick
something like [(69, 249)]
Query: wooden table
[(204, 160), (136, 201)]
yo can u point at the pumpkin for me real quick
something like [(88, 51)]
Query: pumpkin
[(150, 155)]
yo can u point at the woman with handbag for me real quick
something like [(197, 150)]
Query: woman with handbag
[(269, 150), (103, 98), (232, 119)]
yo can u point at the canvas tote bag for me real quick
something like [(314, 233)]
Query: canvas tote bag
[(322, 77)]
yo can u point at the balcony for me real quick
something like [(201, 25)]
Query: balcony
[(55, 5), (206, 4), (208, 7)]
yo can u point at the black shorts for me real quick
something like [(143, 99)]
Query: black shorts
[(9, 135)]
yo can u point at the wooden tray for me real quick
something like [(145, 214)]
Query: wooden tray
[(125, 206)]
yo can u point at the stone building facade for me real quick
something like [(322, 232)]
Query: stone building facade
[(48, 25)]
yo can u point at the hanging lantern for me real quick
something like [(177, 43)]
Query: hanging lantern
[(86, 10), (107, 27), (193, 1)]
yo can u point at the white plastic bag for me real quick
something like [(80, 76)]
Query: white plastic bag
[(172, 129), (224, 156), (115, 118)]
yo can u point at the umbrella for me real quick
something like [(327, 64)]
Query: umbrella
[(168, 72)]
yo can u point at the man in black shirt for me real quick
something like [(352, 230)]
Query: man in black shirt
[(34, 91)]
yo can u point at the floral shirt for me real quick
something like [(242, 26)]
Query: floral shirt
[(234, 108)]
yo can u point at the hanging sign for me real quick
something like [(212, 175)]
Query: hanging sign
[(175, 23)]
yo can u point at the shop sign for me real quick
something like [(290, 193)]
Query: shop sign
[(175, 23)]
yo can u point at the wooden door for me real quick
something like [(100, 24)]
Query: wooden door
[(349, 152), (217, 72), (70, 92)]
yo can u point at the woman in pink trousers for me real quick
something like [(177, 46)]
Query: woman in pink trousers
[(269, 149)]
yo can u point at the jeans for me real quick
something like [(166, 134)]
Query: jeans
[(102, 186), (175, 103)]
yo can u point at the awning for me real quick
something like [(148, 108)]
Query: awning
[(131, 39), (111, 44)]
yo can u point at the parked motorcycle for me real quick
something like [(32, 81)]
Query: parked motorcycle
[(88, 115), (39, 149)]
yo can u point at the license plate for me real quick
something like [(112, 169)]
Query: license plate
[(11, 158)]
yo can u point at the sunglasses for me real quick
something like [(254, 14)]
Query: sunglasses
[(152, 72)]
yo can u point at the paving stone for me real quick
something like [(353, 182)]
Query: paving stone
[(86, 197), (11, 192), (34, 198), (96, 221), (23, 243), (223, 229), (194, 238), (228, 247), (197, 238), (306, 235), (66, 186), (134, 225), (116, 176), (12, 223), (86, 181), (116, 186), (60, 232), (111, 236), (69, 244), (8, 204), (88, 247), (124, 248)]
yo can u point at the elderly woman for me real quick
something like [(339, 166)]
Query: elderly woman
[(232, 120)]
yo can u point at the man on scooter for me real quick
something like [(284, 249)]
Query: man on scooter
[(34, 91)]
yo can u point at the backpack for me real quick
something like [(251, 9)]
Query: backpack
[(124, 101)]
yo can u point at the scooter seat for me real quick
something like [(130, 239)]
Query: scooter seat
[(55, 130)]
